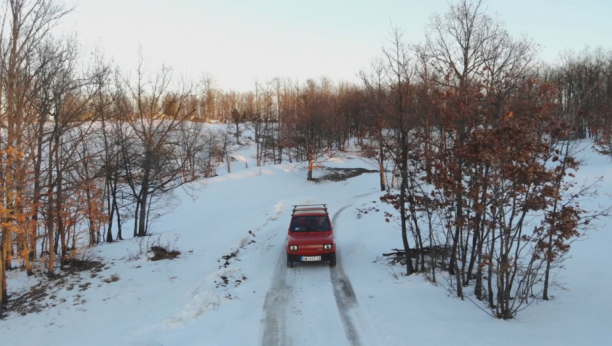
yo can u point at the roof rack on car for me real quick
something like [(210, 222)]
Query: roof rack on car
[(303, 207)]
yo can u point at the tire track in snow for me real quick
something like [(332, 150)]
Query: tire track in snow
[(276, 305), (344, 293)]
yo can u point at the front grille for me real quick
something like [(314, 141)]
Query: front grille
[(310, 247)]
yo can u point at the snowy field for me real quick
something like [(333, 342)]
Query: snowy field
[(251, 298)]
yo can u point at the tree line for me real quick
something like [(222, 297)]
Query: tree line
[(84, 148), (483, 139), (477, 136)]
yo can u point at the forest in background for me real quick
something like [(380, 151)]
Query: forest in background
[(477, 135)]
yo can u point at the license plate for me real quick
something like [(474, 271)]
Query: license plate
[(311, 258)]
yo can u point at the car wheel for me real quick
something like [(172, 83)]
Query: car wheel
[(332, 260), (289, 263)]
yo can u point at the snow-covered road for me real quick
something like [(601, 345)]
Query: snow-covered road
[(315, 302)]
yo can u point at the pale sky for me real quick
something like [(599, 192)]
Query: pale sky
[(237, 41)]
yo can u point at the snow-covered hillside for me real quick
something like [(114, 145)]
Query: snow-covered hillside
[(230, 285)]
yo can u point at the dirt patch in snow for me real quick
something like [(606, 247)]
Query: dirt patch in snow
[(342, 174), (161, 253), (45, 293)]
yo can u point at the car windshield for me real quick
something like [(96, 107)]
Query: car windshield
[(310, 224)]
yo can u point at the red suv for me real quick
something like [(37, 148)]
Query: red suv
[(311, 237)]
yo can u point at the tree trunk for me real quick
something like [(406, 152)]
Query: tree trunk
[(403, 217), (37, 188), (4, 255), (50, 233), (547, 272), (24, 244), (50, 217), (458, 219), (8, 256), (310, 166), (111, 214), (60, 220), (142, 222), (3, 287), (92, 230), (381, 167), (490, 270), (427, 149), (136, 218), (227, 159), (116, 207)]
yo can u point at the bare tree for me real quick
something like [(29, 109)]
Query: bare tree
[(27, 25), (376, 90), (155, 130), (308, 132), (208, 98), (399, 78)]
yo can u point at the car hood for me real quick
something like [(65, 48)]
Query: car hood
[(310, 238)]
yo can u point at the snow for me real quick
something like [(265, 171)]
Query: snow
[(199, 299)]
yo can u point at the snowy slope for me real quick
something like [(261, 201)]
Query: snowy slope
[(253, 299)]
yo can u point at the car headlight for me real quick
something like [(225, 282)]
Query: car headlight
[(327, 246), (293, 247)]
